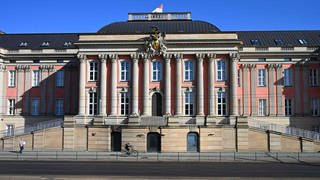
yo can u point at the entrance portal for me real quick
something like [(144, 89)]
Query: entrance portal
[(193, 142), (153, 142), (116, 141), (156, 104)]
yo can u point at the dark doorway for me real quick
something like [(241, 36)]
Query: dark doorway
[(193, 142), (156, 104), (153, 142), (116, 141)]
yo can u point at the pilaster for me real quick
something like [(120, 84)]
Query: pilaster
[(246, 68), (146, 81), (234, 61), (114, 60), (253, 89), (279, 89), (271, 94)]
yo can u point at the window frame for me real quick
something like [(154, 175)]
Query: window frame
[(156, 73), (11, 107), (287, 77), (11, 78), (262, 107), (10, 130), (60, 78), (221, 103), (35, 108), (93, 72), (221, 70), (188, 74), (125, 71), (313, 77), (93, 108), (315, 107), (288, 110), (125, 104), (189, 103), (261, 77), (59, 107), (35, 78)]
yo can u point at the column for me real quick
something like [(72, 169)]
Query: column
[(51, 92), (178, 85), (297, 85), (167, 85), (212, 109), (200, 85), (20, 88), (135, 86), (2, 87), (271, 89), (43, 84), (113, 85), (254, 110), (146, 81), (279, 89), (305, 75), (234, 97), (246, 92), (82, 82), (103, 84)]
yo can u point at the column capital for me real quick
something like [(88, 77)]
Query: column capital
[(211, 56), (103, 57), (234, 56), (134, 56), (200, 56), (177, 56), (278, 66), (113, 56), (167, 56), (2, 68), (252, 66)]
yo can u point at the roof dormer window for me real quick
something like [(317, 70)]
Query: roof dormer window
[(67, 44), (23, 44), (255, 42), (302, 41), (279, 42), (45, 44)]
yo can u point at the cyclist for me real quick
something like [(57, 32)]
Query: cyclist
[(128, 147)]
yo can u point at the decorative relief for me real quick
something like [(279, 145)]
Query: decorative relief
[(2, 68), (200, 56), (155, 43), (46, 67), (103, 57), (21, 68)]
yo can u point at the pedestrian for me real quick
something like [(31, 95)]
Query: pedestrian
[(21, 145)]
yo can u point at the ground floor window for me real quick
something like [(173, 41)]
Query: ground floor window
[(9, 130), (93, 103), (59, 107), (11, 106), (35, 106), (124, 103), (262, 107), (315, 107), (288, 107), (222, 103)]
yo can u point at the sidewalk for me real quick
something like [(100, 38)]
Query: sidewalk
[(263, 157)]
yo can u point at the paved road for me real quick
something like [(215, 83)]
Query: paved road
[(157, 169)]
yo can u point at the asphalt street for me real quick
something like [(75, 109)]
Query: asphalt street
[(157, 169)]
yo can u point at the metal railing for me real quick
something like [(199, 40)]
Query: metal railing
[(285, 129), (35, 127)]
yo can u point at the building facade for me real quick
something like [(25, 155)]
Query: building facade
[(161, 81)]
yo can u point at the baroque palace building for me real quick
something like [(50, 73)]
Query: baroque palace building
[(162, 82)]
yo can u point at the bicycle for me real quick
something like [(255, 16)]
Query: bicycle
[(131, 152)]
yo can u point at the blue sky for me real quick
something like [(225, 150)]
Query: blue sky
[(46, 16)]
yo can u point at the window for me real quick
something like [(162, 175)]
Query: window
[(124, 103), (67, 44), (60, 78), (302, 41), (288, 107), (93, 71), (12, 79), (35, 105), (279, 42), (287, 59), (60, 61), (23, 44), (287, 78), (156, 71), (12, 61), (261, 77), (262, 107), (124, 70), (9, 130), (222, 104), (221, 70), (188, 70), (45, 44), (93, 103), (36, 61), (315, 107), (255, 42), (189, 103), (262, 59), (313, 77), (35, 78), (11, 106), (59, 107), (239, 77)]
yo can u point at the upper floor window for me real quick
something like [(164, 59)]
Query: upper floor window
[(93, 71), (124, 103), (262, 107), (35, 78), (188, 103), (12, 78), (11, 106), (287, 77), (288, 107), (36, 61), (222, 103), (188, 70), (313, 77), (221, 70), (60, 78), (255, 42), (239, 77), (315, 107), (302, 41), (9, 130), (262, 59), (261, 77), (35, 106), (156, 71), (93, 103), (124, 71), (59, 107)]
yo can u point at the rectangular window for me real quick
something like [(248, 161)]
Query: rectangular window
[(287, 77), (12, 79), (288, 107), (11, 106), (313, 77), (222, 104), (262, 107), (35, 78), (188, 70), (124, 70), (221, 70), (262, 59), (60, 78), (315, 107), (35, 106), (124, 103), (59, 107), (188, 103), (239, 77), (287, 59), (261, 77), (93, 103), (93, 71), (9, 130), (156, 71)]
